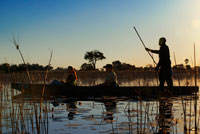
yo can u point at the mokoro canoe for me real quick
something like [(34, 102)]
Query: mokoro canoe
[(59, 90)]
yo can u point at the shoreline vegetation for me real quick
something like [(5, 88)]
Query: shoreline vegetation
[(138, 77)]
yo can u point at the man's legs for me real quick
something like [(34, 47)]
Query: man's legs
[(170, 83), (162, 80)]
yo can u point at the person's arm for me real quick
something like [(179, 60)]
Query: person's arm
[(153, 51)]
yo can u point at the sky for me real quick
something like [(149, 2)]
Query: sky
[(70, 28)]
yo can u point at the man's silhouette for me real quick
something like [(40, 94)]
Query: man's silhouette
[(164, 64)]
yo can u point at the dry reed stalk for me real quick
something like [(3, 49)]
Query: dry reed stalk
[(1, 109), (41, 101), (195, 104), (177, 71), (17, 47), (190, 114), (184, 106), (45, 78)]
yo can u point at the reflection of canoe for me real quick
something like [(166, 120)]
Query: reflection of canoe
[(58, 90)]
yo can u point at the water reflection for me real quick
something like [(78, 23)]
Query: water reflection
[(25, 114), (111, 108), (165, 116)]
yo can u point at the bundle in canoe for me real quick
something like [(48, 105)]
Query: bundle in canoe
[(59, 90)]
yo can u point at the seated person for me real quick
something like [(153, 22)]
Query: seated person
[(111, 78), (72, 77)]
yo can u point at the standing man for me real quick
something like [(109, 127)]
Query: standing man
[(164, 64)]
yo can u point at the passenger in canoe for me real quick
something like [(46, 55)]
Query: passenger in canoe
[(111, 78), (164, 64), (71, 79)]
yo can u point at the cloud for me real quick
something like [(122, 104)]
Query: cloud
[(196, 23)]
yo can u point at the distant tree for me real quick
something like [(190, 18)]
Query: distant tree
[(21, 67), (179, 67), (186, 61), (117, 65), (86, 66), (93, 57), (4, 67), (50, 67), (13, 68), (148, 67), (126, 66), (60, 68), (188, 67)]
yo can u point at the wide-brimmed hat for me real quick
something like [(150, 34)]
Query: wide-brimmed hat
[(108, 66)]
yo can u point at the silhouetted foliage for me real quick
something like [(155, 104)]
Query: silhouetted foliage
[(186, 61), (93, 57), (178, 67), (117, 65), (5, 67), (188, 67), (148, 67), (61, 69), (86, 66)]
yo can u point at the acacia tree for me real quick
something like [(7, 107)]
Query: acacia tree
[(94, 56)]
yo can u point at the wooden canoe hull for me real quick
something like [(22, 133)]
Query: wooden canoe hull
[(142, 91)]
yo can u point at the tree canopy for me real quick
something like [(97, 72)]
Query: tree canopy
[(93, 57), (5, 67)]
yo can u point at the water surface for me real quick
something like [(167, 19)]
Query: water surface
[(106, 115)]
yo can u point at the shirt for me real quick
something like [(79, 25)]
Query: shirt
[(111, 77)]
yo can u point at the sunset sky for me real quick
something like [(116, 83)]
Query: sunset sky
[(72, 27)]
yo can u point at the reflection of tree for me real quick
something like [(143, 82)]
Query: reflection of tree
[(165, 116)]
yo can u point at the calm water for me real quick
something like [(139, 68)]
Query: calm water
[(106, 115)]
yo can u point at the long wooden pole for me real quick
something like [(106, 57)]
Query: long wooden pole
[(144, 45)]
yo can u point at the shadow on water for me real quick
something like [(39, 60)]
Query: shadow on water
[(26, 114)]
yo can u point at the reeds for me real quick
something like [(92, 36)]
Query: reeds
[(22, 57)]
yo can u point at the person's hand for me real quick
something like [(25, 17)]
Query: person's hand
[(157, 68), (147, 49)]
